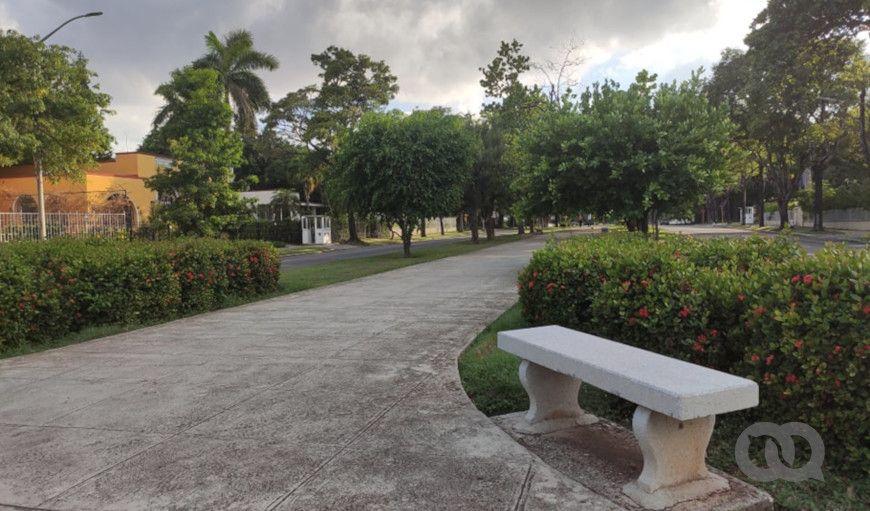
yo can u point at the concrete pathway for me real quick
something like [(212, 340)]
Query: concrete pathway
[(336, 398)]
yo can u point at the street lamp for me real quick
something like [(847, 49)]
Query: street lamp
[(40, 181), (88, 15)]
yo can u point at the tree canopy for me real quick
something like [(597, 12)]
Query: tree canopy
[(197, 194), (237, 63), (51, 109), (404, 167)]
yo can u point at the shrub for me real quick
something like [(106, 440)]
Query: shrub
[(60, 286), (759, 308)]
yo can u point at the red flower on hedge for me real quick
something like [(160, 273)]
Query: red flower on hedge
[(754, 358), (799, 343), (698, 347), (867, 309), (837, 349), (643, 312), (760, 310), (791, 378), (550, 287), (702, 338), (741, 297), (768, 360), (684, 312), (795, 279), (808, 279), (714, 332), (531, 284)]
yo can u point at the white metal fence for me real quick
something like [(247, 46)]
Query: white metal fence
[(25, 226)]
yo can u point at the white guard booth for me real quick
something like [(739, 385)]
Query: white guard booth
[(316, 230)]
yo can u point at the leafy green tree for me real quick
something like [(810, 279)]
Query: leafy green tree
[(272, 162), (404, 168), (315, 116), (633, 153), (237, 63), (192, 102), (511, 107), (51, 112), (789, 87), (197, 194)]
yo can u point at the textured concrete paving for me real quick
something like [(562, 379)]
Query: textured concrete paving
[(340, 397)]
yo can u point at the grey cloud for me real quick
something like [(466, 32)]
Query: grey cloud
[(435, 47)]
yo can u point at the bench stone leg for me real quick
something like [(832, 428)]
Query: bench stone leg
[(552, 400), (674, 467)]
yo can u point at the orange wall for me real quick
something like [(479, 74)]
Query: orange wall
[(124, 174)]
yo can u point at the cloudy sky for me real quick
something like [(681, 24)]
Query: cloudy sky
[(435, 47)]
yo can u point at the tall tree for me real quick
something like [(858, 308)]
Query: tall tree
[(237, 63), (197, 194), (510, 108), (797, 51), (51, 112), (404, 168), (350, 85)]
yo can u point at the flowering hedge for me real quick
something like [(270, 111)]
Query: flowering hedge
[(797, 324), (60, 286)]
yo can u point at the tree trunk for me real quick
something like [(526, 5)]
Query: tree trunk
[(475, 224), (407, 231), (441, 222), (40, 200), (818, 199), (423, 227), (862, 125), (521, 227), (760, 207), (655, 216), (783, 212), (489, 225), (353, 236)]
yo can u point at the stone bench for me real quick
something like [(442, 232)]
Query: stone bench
[(677, 404)]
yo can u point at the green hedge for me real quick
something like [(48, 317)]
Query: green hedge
[(52, 288), (797, 324)]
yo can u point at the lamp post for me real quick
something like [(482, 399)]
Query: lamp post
[(40, 180)]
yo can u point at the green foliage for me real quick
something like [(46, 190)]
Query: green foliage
[(765, 310), (236, 62), (626, 153), (199, 193), (60, 286), (404, 168), (51, 111)]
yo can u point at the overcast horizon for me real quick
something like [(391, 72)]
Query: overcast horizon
[(434, 47)]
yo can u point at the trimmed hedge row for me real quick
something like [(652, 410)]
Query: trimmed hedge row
[(797, 324), (59, 286)]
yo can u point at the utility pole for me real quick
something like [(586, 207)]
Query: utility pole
[(40, 178)]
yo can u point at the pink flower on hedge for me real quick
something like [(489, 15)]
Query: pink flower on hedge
[(702, 338), (754, 358), (768, 360), (791, 378), (808, 279), (698, 347), (643, 312), (550, 287), (741, 297), (837, 349), (795, 279), (714, 332), (760, 310), (531, 284), (867, 309), (837, 382), (799, 343), (684, 312)]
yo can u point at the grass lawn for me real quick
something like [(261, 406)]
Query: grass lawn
[(291, 281), (490, 378)]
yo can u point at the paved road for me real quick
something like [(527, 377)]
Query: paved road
[(810, 244), (299, 261), (341, 397)]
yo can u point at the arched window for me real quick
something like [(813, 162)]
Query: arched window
[(24, 204)]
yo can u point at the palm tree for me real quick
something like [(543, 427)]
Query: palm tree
[(236, 61)]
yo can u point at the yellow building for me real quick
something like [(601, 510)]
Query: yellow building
[(115, 185)]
